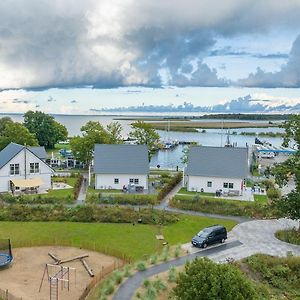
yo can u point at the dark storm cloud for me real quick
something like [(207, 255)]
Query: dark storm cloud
[(111, 43)]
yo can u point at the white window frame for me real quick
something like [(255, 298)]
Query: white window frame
[(14, 169), (230, 185), (209, 183), (136, 181), (34, 168), (116, 180)]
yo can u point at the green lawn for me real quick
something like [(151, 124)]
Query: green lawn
[(185, 192), (188, 226), (106, 191), (134, 242), (261, 198), (58, 193)]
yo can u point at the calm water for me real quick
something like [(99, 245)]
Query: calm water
[(170, 158)]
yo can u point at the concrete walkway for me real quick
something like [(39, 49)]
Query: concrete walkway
[(245, 239), (83, 190), (165, 202)]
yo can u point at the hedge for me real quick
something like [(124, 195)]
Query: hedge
[(224, 206), (131, 199), (35, 199), (169, 186), (88, 213)]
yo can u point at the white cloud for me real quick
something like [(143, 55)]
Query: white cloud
[(110, 43)]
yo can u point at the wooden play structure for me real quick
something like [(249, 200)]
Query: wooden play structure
[(57, 274)]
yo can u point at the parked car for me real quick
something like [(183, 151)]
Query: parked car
[(210, 235)]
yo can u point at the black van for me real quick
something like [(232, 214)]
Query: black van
[(210, 235)]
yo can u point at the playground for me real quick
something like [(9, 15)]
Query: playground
[(23, 278)]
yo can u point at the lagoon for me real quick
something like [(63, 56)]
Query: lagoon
[(169, 158)]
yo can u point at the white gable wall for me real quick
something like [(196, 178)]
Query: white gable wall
[(45, 171), (196, 183), (107, 181)]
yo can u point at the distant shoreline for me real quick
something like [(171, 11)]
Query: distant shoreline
[(173, 116)]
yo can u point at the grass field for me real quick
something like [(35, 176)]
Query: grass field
[(185, 192), (192, 126), (260, 198), (123, 240), (63, 193)]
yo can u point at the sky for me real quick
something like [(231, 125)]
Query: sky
[(64, 56)]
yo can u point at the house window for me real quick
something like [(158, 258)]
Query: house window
[(131, 180), (209, 184), (136, 181), (230, 185), (34, 168), (225, 185), (14, 169), (116, 180)]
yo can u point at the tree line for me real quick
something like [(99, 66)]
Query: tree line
[(40, 129)]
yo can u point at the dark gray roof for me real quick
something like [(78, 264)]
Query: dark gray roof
[(12, 149), (121, 159), (39, 151), (218, 162)]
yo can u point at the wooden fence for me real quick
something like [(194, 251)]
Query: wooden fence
[(98, 277), (6, 295)]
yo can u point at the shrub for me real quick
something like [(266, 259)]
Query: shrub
[(118, 277), (85, 213), (291, 236), (222, 281), (141, 266), (165, 253), (172, 274), (127, 272), (153, 259), (146, 283), (177, 251), (132, 199), (225, 207), (151, 293), (169, 186), (159, 285), (273, 194), (109, 288)]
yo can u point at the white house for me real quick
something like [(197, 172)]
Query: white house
[(217, 168), (24, 168), (116, 166)]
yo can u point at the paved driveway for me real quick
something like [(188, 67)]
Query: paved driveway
[(244, 240), (256, 237)]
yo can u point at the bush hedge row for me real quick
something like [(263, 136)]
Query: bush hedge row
[(169, 186), (224, 206), (35, 199), (131, 199), (88, 213)]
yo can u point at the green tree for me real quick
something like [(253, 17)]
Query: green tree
[(3, 122), (114, 130), (186, 151), (92, 133), (289, 205), (47, 131), (204, 279), (145, 134), (16, 133)]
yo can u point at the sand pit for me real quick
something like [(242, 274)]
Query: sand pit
[(23, 278)]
